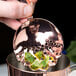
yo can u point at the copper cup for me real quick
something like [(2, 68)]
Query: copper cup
[(16, 68)]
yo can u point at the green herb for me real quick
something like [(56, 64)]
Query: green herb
[(35, 65), (44, 63), (29, 57), (40, 55), (71, 51)]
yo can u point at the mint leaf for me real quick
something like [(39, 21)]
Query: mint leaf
[(71, 46), (40, 55), (35, 65), (29, 57), (71, 51), (44, 63)]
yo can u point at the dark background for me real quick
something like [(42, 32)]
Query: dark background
[(61, 13)]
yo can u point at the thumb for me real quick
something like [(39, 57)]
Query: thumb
[(15, 9)]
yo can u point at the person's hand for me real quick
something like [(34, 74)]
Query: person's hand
[(10, 11)]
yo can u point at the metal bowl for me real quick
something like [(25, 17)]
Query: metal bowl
[(16, 68)]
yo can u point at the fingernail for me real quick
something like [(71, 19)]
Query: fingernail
[(27, 11)]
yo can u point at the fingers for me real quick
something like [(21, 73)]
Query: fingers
[(12, 10), (25, 0), (34, 1), (23, 20), (15, 9), (12, 23)]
